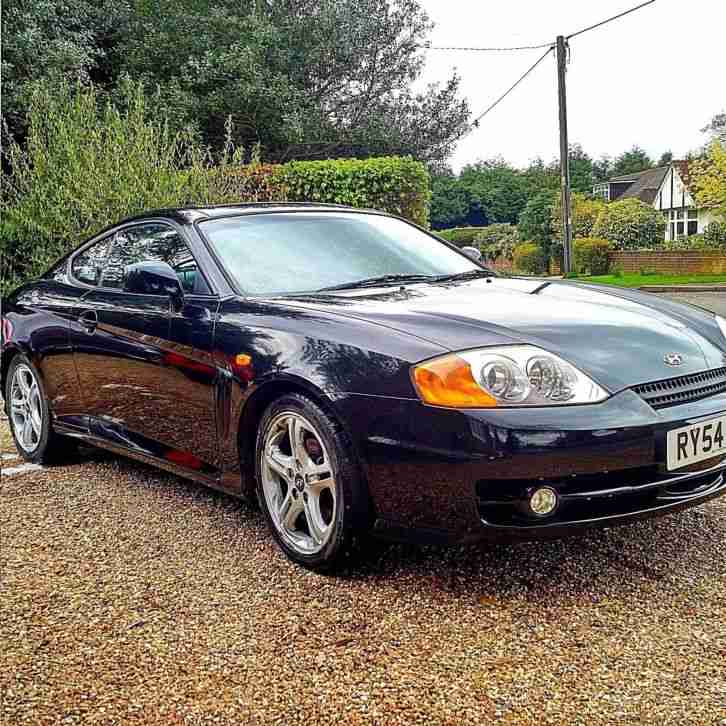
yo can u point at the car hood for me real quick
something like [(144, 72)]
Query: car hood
[(618, 337)]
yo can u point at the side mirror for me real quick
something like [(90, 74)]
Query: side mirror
[(154, 278), (472, 252)]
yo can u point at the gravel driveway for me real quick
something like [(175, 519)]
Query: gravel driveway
[(131, 596)]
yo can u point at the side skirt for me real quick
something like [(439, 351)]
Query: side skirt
[(209, 480)]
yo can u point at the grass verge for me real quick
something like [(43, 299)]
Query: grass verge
[(638, 280)]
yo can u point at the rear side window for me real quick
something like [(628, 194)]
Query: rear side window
[(156, 243), (88, 265)]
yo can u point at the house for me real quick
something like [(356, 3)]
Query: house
[(668, 189)]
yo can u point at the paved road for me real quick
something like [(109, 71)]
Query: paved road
[(715, 301)]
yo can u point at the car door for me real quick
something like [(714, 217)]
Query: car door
[(145, 369), (43, 318)]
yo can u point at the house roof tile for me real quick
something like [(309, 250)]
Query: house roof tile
[(645, 184)]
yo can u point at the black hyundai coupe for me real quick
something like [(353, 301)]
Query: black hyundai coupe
[(359, 375)]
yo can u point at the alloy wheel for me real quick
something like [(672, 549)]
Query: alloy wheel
[(26, 408), (298, 483)]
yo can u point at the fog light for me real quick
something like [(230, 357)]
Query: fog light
[(543, 501)]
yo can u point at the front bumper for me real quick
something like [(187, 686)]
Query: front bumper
[(448, 476), (582, 507)]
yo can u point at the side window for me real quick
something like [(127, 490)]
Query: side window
[(157, 243), (87, 266)]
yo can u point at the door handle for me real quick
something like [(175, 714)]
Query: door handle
[(89, 321)]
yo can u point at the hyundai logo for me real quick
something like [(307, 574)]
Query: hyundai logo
[(673, 359)]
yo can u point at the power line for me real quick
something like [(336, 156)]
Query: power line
[(507, 49), (489, 50), (475, 122), (609, 20)]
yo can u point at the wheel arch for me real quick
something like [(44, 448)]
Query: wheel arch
[(258, 402), (10, 352)]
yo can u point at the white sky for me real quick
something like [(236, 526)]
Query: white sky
[(652, 78)]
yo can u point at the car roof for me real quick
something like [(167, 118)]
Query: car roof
[(185, 215)]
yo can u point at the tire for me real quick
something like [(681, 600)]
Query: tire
[(36, 442), (312, 493)]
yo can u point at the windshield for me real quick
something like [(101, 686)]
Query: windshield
[(307, 251)]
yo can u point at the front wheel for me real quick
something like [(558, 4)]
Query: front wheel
[(308, 482)]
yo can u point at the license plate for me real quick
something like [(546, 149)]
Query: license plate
[(701, 441)]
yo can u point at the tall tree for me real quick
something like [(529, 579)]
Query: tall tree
[(307, 78), (497, 191), (581, 172), (716, 128), (631, 162), (602, 169), (710, 179), (449, 202), (538, 177), (49, 41), (665, 158)]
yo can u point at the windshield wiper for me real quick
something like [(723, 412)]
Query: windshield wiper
[(380, 280), (399, 278), (468, 275)]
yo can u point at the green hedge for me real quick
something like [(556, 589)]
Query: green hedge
[(592, 256), (497, 240), (88, 164), (715, 234), (461, 236), (529, 258), (398, 185)]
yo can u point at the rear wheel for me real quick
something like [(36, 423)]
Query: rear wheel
[(308, 482), (29, 414)]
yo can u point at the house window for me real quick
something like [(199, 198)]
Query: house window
[(692, 222), (682, 222), (602, 190)]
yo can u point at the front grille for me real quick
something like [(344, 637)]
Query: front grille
[(684, 389)]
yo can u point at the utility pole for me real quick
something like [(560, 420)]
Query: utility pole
[(564, 155)]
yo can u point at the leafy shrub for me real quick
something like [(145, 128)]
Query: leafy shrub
[(592, 256), (694, 242), (497, 240), (630, 224), (88, 164), (535, 221), (529, 259), (228, 184), (585, 212), (461, 236), (398, 185), (715, 234), (85, 165)]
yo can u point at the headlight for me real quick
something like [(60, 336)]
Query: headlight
[(721, 324), (509, 376)]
